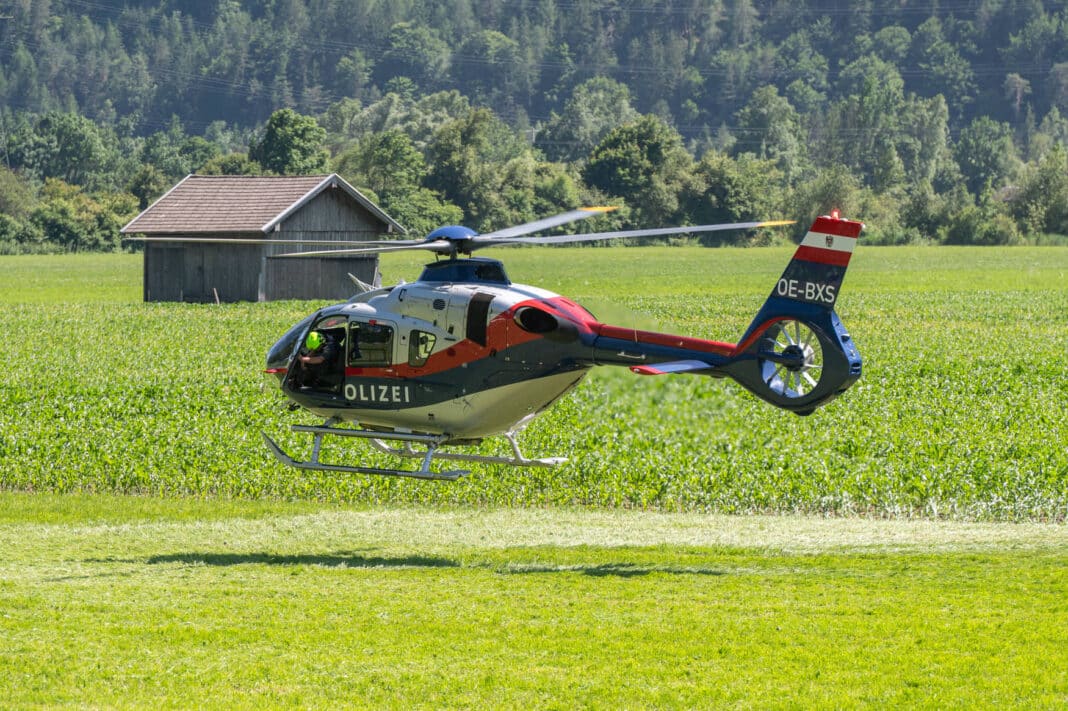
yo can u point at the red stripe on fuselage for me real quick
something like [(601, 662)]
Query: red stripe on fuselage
[(501, 333), (663, 339)]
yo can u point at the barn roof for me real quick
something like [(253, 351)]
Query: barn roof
[(240, 203)]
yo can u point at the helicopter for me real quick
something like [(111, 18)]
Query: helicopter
[(463, 353)]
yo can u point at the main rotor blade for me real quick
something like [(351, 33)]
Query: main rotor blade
[(441, 246), (545, 223), (660, 231), (265, 241)]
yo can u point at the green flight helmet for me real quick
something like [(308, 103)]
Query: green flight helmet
[(314, 341)]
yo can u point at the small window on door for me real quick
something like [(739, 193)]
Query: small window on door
[(420, 346)]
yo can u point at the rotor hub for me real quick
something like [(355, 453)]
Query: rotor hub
[(798, 357)]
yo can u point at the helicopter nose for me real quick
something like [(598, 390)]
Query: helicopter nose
[(272, 378)]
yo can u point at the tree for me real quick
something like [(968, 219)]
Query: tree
[(888, 170), (891, 43), (21, 237), (734, 190), (1016, 88), (291, 144), (414, 51), (489, 64), (834, 188), (16, 196), (985, 153), (419, 118), (1058, 85), (465, 155), (1041, 205), (742, 22), (770, 128), (944, 70), (353, 74), (1052, 130), (422, 210), (231, 164), (798, 60), (389, 166), (644, 163), (923, 138), (65, 146), (77, 222), (176, 154), (385, 163), (147, 185), (596, 106), (860, 129), (196, 151)]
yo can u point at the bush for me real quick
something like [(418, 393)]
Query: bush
[(19, 237), (976, 225)]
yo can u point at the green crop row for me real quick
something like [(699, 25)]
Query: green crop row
[(962, 410)]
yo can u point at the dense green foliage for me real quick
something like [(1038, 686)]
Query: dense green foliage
[(932, 122), (959, 413)]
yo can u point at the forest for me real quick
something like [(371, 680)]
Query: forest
[(937, 122)]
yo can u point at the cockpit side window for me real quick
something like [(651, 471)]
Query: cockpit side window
[(370, 344)]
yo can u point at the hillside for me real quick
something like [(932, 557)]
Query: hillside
[(955, 113)]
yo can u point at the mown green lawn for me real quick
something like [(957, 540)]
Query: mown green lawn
[(130, 602)]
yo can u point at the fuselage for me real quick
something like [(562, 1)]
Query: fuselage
[(462, 352)]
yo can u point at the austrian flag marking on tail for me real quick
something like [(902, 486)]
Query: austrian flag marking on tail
[(830, 241)]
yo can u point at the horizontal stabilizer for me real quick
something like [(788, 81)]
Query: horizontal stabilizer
[(676, 366)]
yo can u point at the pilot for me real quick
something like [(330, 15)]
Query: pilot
[(318, 359)]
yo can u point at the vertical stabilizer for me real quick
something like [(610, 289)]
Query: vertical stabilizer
[(796, 353)]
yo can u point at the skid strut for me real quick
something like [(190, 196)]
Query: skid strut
[(432, 443), (516, 460)]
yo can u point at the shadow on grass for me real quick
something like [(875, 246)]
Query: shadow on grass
[(618, 570), (353, 560), (337, 560)]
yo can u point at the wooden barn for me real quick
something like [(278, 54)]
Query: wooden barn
[(218, 237)]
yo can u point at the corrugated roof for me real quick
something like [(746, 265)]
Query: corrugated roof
[(238, 203)]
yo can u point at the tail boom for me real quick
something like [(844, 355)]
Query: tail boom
[(796, 354)]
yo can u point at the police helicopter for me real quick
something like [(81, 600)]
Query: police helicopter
[(463, 354)]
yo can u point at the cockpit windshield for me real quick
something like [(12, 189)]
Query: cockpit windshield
[(282, 351)]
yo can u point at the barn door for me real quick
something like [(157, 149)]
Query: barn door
[(164, 270), (193, 283)]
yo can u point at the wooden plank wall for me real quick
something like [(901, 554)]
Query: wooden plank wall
[(331, 215), (202, 273), (199, 273)]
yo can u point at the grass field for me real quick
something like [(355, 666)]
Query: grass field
[(155, 556), (132, 603), (960, 412)]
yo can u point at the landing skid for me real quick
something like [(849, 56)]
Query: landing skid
[(516, 460), (379, 441)]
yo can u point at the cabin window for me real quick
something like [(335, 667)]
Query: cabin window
[(370, 344), (420, 346)]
